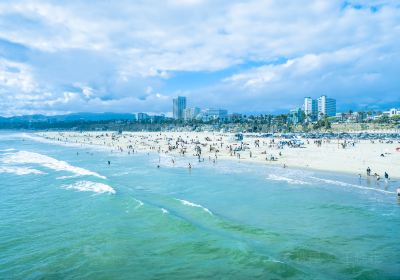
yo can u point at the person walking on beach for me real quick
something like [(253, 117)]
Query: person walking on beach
[(386, 176), (368, 171)]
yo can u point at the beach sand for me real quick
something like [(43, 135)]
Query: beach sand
[(329, 156)]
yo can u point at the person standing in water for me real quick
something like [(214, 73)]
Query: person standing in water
[(368, 171)]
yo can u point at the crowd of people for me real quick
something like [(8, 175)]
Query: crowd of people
[(199, 147)]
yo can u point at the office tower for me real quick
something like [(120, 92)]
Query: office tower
[(326, 106), (310, 108), (179, 106)]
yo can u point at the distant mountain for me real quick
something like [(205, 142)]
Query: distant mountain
[(69, 117), (95, 117)]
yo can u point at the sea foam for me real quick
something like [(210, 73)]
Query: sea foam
[(23, 157), (140, 203), (19, 170), (287, 180), (343, 184), (191, 204), (7, 150), (88, 186)]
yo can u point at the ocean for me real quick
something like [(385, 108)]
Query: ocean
[(65, 213)]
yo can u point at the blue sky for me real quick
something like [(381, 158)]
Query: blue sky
[(246, 56)]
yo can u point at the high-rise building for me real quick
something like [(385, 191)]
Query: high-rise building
[(179, 106), (310, 107), (326, 106)]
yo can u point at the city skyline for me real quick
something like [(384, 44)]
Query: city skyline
[(60, 57)]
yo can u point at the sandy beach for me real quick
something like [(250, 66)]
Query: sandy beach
[(352, 157)]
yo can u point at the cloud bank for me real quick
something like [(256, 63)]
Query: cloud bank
[(246, 56)]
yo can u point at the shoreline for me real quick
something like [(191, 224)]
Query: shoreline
[(327, 156)]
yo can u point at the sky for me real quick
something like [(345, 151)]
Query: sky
[(60, 57)]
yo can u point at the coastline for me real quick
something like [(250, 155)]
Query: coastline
[(328, 156)]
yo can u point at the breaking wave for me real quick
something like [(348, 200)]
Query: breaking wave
[(191, 204), (88, 186), (19, 170), (140, 203), (343, 184), (23, 157), (287, 180)]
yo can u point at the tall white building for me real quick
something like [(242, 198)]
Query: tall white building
[(326, 106), (178, 108), (310, 107)]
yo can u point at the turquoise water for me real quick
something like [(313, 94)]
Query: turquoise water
[(66, 213)]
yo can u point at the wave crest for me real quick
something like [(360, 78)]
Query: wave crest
[(23, 157), (19, 170), (191, 204), (287, 180), (88, 186)]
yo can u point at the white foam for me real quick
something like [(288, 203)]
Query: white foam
[(140, 203), (343, 184), (164, 211), (42, 139), (166, 161), (88, 186), (286, 179), (23, 157), (7, 150), (67, 177), (19, 170), (191, 204)]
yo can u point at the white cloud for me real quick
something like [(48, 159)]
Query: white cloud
[(119, 51), (16, 76), (186, 2)]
